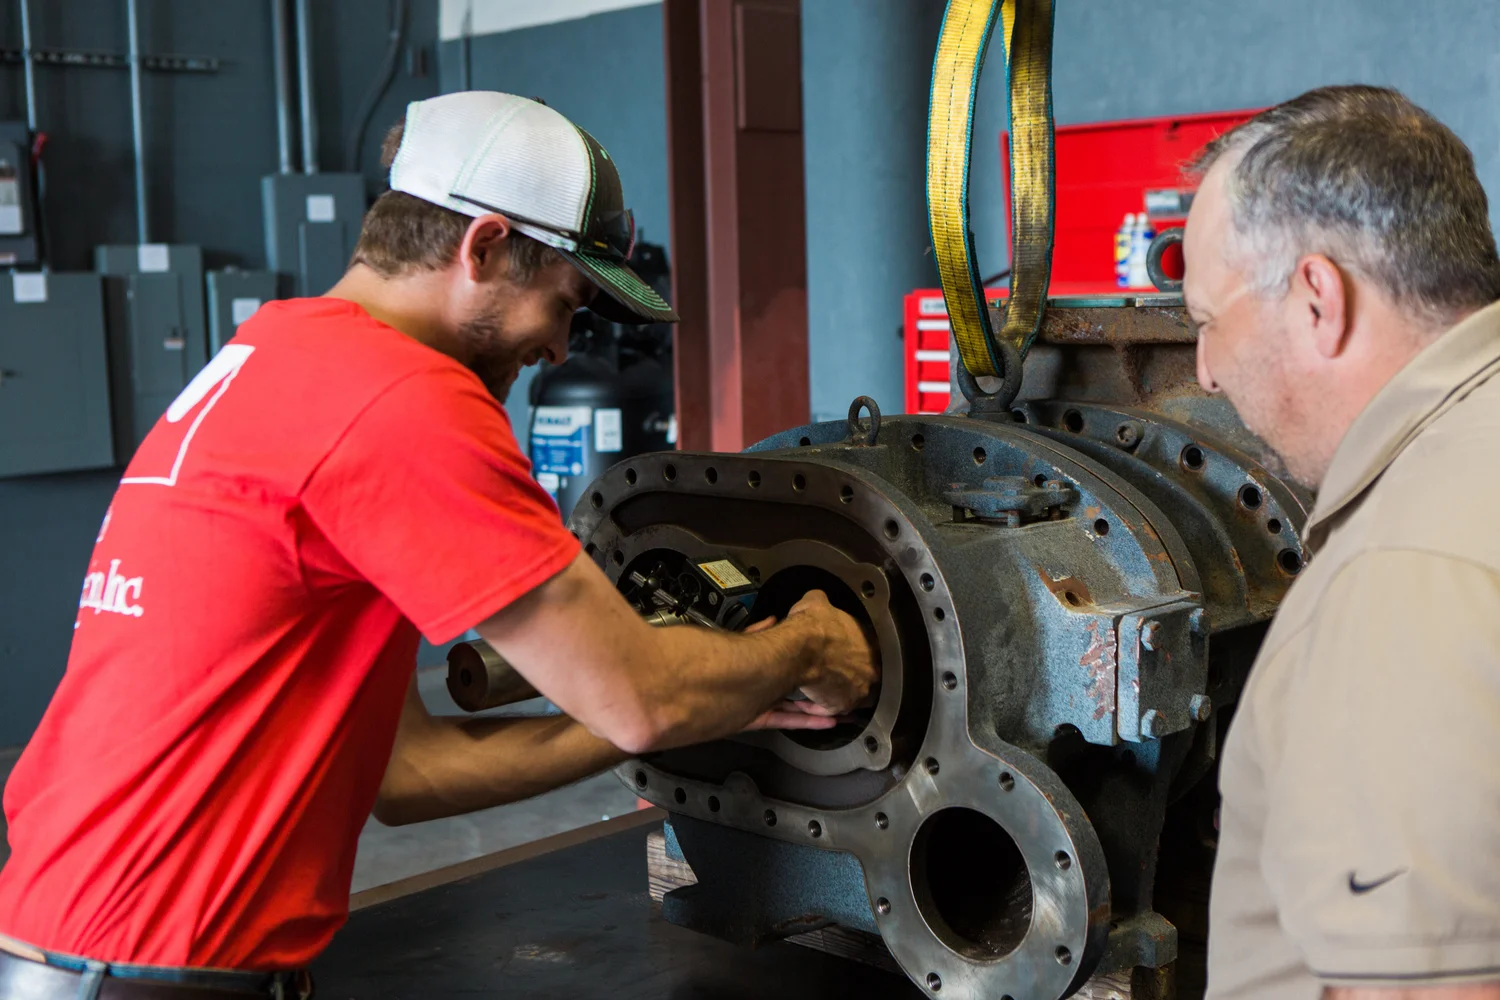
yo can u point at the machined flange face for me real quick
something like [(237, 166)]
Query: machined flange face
[(959, 792)]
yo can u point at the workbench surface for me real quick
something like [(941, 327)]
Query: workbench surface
[(572, 922)]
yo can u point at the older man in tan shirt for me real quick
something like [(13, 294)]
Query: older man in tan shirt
[(1341, 273)]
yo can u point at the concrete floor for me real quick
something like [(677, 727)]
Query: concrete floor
[(390, 853)]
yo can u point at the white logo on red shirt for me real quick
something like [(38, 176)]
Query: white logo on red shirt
[(112, 592)]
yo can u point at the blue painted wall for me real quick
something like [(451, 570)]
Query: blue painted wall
[(606, 73), (210, 137)]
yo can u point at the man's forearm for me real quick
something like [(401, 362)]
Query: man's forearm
[(448, 766), (712, 683)]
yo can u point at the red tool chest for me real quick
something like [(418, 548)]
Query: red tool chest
[(1104, 170)]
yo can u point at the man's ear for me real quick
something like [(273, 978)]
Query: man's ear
[(1320, 301), (483, 250)]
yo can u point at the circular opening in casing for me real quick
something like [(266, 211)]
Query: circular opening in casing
[(1192, 458), (805, 442), (710, 475), (713, 803), (799, 482), (971, 883), (1019, 416), (679, 796), (669, 473), (640, 779), (770, 817), (892, 529), (1290, 562), (1101, 527), (753, 479), (629, 477), (1273, 526), (917, 441), (597, 499), (846, 494), (928, 582), (1073, 421), (979, 456), (1250, 497)]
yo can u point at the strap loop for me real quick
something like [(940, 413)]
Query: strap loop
[(1027, 35)]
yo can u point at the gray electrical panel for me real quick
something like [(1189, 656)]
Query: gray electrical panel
[(153, 294), (233, 297), (18, 229), (312, 224), (54, 382)]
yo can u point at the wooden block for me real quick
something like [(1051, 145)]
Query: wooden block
[(665, 873)]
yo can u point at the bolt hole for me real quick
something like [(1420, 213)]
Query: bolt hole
[(1040, 479), (1250, 497), (939, 614), (770, 817), (950, 680), (753, 479), (934, 981), (892, 529), (618, 557), (640, 779), (804, 442), (1101, 527), (1273, 526), (1192, 458), (1064, 956), (629, 477), (1071, 598), (979, 456), (711, 475), (1007, 781), (814, 829), (597, 500), (882, 821), (679, 796), (1019, 416), (867, 588), (669, 473), (931, 763), (1073, 421), (1290, 562), (799, 482), (882, 906), (713, 803), (1063, 861), (917, 441), (871, 744), (927, 582), (846, 494)]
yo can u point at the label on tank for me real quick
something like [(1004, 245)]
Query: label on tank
[(558, 441), (608, 431)]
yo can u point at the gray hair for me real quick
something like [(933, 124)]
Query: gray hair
[(1364, 176)]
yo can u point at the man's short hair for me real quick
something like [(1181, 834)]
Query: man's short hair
[(402, 233), (1366, 177)]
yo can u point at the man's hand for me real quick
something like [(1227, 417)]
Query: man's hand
[(845, 669)]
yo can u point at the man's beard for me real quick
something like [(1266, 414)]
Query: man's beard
[(495, 362)]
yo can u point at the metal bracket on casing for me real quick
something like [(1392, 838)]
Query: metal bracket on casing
[(1162, 672)]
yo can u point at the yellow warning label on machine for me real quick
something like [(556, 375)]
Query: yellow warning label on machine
[(725, 574)]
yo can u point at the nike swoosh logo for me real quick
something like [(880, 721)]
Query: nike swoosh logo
[(1360, 888)]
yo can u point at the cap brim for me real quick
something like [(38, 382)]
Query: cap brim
[(623, 296)]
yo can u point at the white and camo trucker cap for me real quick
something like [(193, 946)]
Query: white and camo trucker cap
[(481, 151)]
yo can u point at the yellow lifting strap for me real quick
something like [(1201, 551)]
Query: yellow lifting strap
[(1027, 34)]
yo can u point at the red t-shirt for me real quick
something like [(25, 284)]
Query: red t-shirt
[(246, 633)]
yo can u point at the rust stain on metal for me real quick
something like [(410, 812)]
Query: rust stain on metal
[(1069, 590), (1099, 661)]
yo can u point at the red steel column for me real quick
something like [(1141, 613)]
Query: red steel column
[(739, 245)]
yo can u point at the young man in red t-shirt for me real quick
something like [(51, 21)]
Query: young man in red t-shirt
[(240, 692)]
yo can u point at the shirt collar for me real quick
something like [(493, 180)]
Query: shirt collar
[(1443, 373)]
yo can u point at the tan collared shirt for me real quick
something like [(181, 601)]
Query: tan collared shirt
[(1360, 828)]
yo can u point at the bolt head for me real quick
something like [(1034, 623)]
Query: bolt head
[(1151, 634), (1128, 434), (1201, 707), (1152, 723)]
